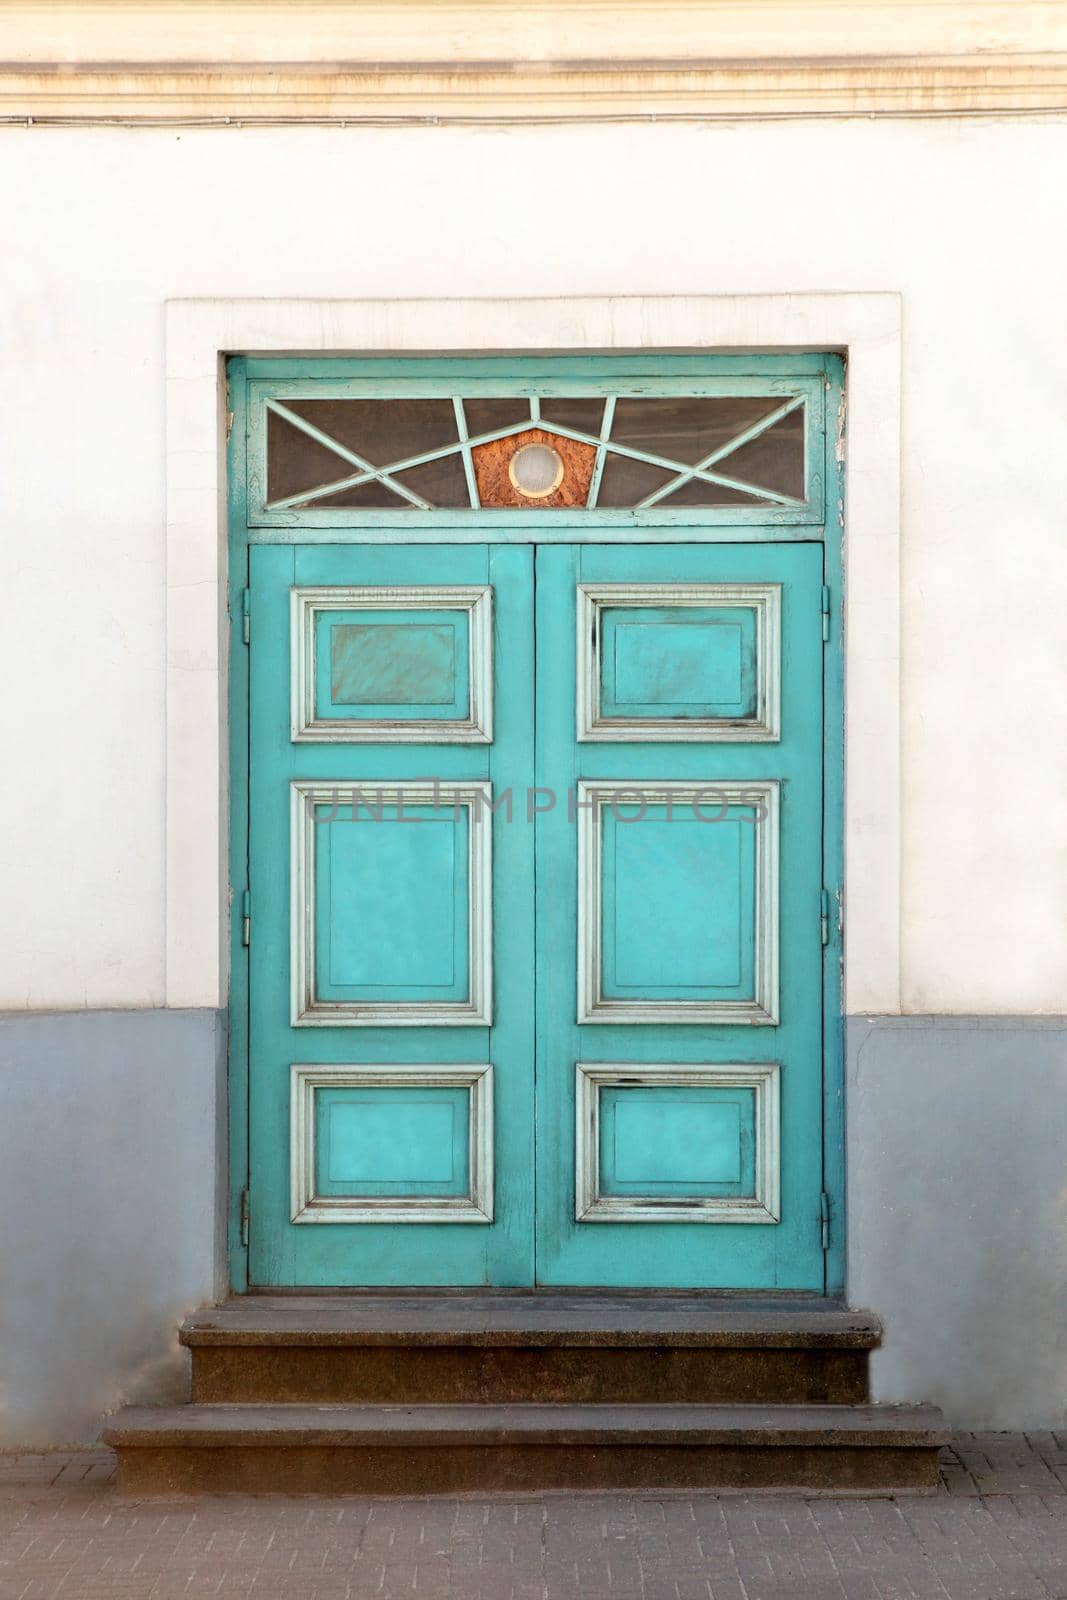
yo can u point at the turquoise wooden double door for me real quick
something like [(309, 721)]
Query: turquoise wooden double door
[(536, 915)]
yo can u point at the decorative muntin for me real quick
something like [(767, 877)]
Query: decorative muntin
[(726, 450)]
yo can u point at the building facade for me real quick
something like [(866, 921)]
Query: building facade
[(794, 278)]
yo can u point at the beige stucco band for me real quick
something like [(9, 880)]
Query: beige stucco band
[(200, 333), (531, 60)]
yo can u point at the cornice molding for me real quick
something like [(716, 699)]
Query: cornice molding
[(462, 94), (526, 60)]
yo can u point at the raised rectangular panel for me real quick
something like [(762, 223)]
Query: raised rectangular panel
[(378, 1141), (676, 907), (677, 1143), (392, 665), (674, 1140), (657, 666), (685, 663), (395, 661), (677, 902), (391, 907), (391, 904), (391, 1143)]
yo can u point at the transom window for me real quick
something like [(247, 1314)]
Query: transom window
[(452, 441)]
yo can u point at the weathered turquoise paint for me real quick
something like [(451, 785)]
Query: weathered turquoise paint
[(397, 664), (667, 934), (659, 664), (683, 913), (238, 751), (395, 1141), (360, 1254), (677, 1142), (392, 920), (782, 377), (834, 830)]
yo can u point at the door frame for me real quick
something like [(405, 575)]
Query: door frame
[(197, 337), (487, 526)]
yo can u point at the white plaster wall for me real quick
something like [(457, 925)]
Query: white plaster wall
[(959, 217)]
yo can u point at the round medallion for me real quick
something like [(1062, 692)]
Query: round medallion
[(536, 470)]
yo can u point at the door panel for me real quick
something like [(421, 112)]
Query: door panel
[(392, 1075), (391, 913), (677, 901), (392, 665), (679, 1118), (678, 662), (643, 726)]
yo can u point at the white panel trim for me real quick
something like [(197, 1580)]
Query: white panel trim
[(199, 333), (307, 1206), (765, 599), (596, 794), (761, 1076), (306, 1010), (476, 728)]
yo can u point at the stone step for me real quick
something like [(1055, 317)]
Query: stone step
[(445, 1449), (501, 1348)]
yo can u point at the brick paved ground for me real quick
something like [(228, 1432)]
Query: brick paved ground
[(997, 1530)]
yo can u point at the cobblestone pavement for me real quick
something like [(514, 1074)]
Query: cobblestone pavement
[(996, 1530)]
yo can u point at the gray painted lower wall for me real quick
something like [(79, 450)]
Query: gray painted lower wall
[(112, 1181), (957, 1205), (112, 1167)]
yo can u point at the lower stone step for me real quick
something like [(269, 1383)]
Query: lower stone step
[(445, 1449)]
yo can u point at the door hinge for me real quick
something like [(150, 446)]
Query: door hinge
[(824, 916), (246, 615), (246, 918), (246, 1212), (825, 612), (824, 1219)]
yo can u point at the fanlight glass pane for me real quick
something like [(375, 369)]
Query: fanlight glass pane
[(442, 482), (378, 432), (687, 428), (585, 416), (626, 482), (773, 460), (659, 451), (371, 496), (488, 416), (297, 463)]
